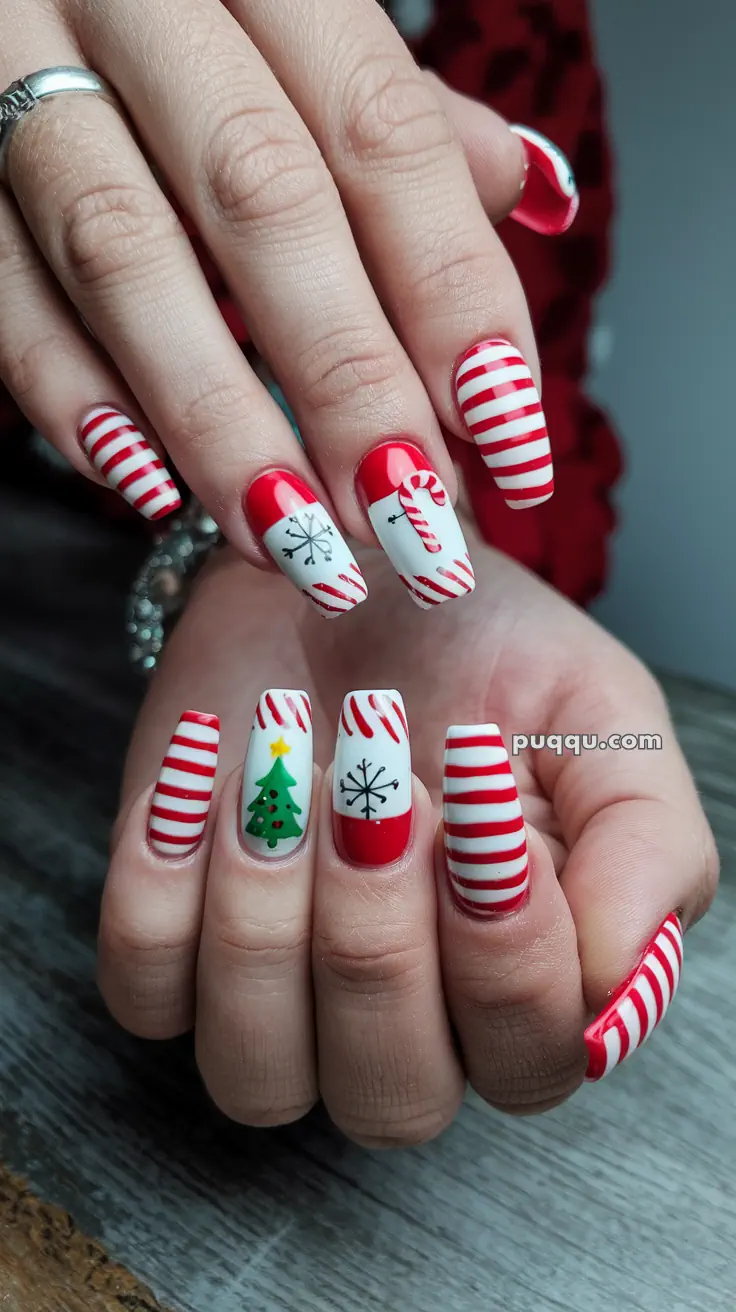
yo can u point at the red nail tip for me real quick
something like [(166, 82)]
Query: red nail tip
[(274, 495), (372, 785), (550, 198), (638, 1006), (181, 800), (384, 469)]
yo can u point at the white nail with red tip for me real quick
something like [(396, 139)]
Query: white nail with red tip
[(639, 1005), (117, 449), (183, 794), (277, 776)]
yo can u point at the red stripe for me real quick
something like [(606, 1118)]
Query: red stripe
[(659, 956), (523, 412), (154, 492), (485, 829), (482, 740), (672, 929), (488, 858), (181, 741), (188, 794), (461, 564), (497, 391), (150, 468), (524, 467), (132, 449), (360, 720), (333, 592), (647, 973), (432, 601), (454, 578), (354, 583), (168, 507), (260, 716), (618, 1024), (491, 908), (642, 1013), (469, 771), (295, 712), (171, 838), (201, 717), (189, 767), (345, 724), (335, 610), (429, 583), (373, 701), (181, 817), (101, 442), (491, 885), (401, 716), (490, 367), (482, 797), (100, 418), (529, 493), (307, 707), (273, 708)]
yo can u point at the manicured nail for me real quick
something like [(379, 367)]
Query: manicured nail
[(305, 542), (549, 200), (485, 839), (414, 521), (502, 411), (184, 788), (639, 1005), (118, 450), (371, 790), (277, 776)]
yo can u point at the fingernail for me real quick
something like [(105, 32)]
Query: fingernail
[(118, 450), (183, 793), (414, 521), (485, 839), (371, 789), (639, 1005), (549, 200), (277, 776), (500, 406), (304, 541)]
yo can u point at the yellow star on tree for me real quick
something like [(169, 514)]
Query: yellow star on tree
[(280, 748)]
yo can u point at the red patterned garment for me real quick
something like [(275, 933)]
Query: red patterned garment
[(533, 61)]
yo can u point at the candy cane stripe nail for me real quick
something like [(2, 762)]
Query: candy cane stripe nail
[(277, 775), (119, 451), (639, 1005), (485, 838), (305, 543), (183, 794), (414, 521), (500, 405), (372, 788), (550, 199)]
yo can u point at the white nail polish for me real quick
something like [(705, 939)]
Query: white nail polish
[(277, 776)]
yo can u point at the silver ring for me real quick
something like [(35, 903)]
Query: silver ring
[(22, 96)]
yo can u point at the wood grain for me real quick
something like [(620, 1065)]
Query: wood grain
[(622, 1200)]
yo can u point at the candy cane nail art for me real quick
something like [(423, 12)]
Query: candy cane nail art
[(183, 793), (371, 790), (305, 543), (639, 1005), (549, 200), (277, 776), (501, 408), (415, 523), (118, 450), (485, 839)]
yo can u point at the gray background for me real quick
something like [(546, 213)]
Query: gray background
[(667, 320)]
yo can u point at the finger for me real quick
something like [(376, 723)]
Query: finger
[(259, 191), (388, 1072), (255, 1022), (443, 275), (510, 966), (152, 904), (516, 170), (640, 851)]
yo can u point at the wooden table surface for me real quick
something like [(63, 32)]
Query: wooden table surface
[(622, 1200)]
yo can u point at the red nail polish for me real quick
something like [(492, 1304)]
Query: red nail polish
[(372, 786), (186, 780), (550, 199)]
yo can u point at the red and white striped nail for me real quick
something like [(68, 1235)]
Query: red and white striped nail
[(414, 521), (372, 786), (501, 409), (304, 541), (485, 838), (549, 199), (118, 450), (639, 1005), (183, 793)]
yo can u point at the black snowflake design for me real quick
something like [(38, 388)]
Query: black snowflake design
[(311, 535), (365, 789)]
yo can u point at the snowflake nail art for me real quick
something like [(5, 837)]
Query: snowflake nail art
[(372, 790), (304, 542)]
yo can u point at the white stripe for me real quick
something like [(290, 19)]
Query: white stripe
[(630, 1017), (502, 405), (661, 976), (612, 1043), (475, 755), (491, 896), (168, 498), (183, 779), (532, 478), (667, 947), (646, 993), (472, 731), (496, 843), (462, 813), (516, 455), (147, 481), (480, 783), (501, 870), (499, 351), (116, 444), (109, 426), (178, 828), (191, 755), (511, 373), (513, 428), (201, 733), (169, 849), (193, 806), (129, 466)]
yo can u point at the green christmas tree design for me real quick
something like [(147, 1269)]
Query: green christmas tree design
[(274, 809)]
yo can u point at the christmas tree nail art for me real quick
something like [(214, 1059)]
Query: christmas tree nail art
[(414, 521), (277, 776), (305, 542), (372, 791)]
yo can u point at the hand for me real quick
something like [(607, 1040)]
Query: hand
[(319, 975), (346, 197)]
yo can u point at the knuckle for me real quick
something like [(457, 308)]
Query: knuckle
[(417, 1127), (24, 364), (448, 278), (260, 167), (212, 416), (259, 950), (115, 234), (392, 113), (362, 966), (147, 983), (347, 370)]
